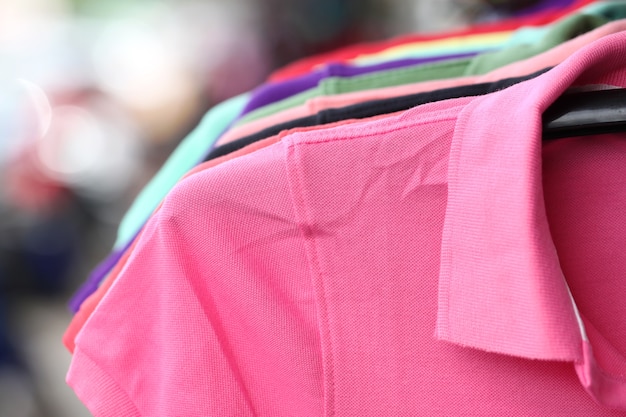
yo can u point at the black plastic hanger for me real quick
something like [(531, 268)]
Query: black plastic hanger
[(586, 113)]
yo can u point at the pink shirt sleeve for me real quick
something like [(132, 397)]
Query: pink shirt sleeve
[(214, 312)]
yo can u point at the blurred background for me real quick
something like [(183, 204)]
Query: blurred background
[(94, 95)]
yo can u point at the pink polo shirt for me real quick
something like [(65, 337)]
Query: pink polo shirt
[(443, 261), (516, 69)]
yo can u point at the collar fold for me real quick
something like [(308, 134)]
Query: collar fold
[(501, 288)]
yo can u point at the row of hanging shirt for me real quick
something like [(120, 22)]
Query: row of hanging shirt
[(380, 230)]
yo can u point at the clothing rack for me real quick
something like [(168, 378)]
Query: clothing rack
[(586, 113)]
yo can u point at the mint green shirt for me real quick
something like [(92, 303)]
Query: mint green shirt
[(188, 154)]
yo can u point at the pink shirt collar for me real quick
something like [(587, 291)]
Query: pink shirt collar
[(501, 288)]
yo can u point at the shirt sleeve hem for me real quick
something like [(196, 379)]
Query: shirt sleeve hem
[(100, 393)]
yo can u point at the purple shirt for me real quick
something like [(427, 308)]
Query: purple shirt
[(272, 92), (96, 277)]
